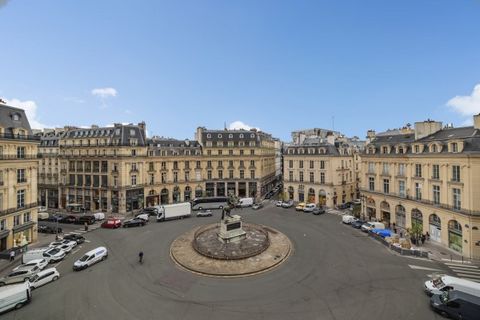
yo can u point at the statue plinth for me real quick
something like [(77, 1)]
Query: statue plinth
[(231, 229)]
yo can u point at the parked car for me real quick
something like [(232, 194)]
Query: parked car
[(204, 213), (68, 219), (144, 216), (87, 219), (257, 206), (49, 229), (21, 275), (14, 296), (54, 254), (456, 305), (90, 258), (269, 195), (151, 211), (300, 206), (279, 203), (99, 216), (317, 211), (372, 225), (43, 216), (40, 263), (357, 224), (55, 217), (309, 207), (287, 204), (75, 237), (135, 222), (44, 277), (111, 223), (345, 205)]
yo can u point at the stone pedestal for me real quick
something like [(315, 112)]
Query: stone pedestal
[(231, 229)]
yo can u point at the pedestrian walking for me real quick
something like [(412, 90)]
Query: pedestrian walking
[(428, 236), (422, 239), (12, 255), (86, 226)]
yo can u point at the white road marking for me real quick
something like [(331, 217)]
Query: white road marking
[(453, 265), (73, 252), (73, 232), (422, 268), (87, 241), (458, 261), (464, 275), (466, 271)]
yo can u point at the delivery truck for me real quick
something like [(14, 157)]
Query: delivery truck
[(174, 211), (14, 296)]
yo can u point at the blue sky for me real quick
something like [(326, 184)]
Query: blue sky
[(276, 65)]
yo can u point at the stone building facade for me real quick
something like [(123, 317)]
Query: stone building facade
[(18, 179), (428, 176), (320, 170)]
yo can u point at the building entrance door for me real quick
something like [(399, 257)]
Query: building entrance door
[(435, 233)]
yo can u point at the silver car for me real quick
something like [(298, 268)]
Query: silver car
[(20, 275)]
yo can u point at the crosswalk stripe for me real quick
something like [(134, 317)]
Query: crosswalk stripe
[(463, 275), (467, 271), (452, 265), (453, 261), (73, 232)]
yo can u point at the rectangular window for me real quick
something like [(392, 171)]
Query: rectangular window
[(290, 164), (312, 163), (220, 152), (436, 194), (96, 181), (175, 165), (418, 191), (164, 177), (456, 173), (252, 174), (290, 175), (220, 174), (187, 176), (187, 165), (230, 174), (252, 163), (198, 165), (386, 168), (209, 174), (242, 174), (96, 166), (371, 167), (20, 152), (457, 199), (418, 170), (230, 152), (252, 152), (401, 169), (301, 176), (134, 180), (175, 177), (312, 176), (371, 183), (104, 180), (21, 176), (209, 164), (79, 180), (16, 220), (3, 224), (436, 172), (322, 177), (401, 188), (220, 164), (115, 181), (322, 164), (88, 180), (300, 164), (386, 186), (20, 199), (27, 217)]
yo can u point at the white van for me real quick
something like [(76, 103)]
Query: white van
[(91, 257), (99, 216), (44, 277), (441, 284), (14, 296), (372, 225), (348, 219), (49, 254), (309, 207), (245, 202)]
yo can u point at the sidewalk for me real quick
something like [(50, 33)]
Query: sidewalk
[(440, 253)]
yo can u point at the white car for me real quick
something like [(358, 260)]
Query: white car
[(309, 207), (144, 216), (204, 213), (54, 254), (21, 275), (90, 258), (61, 243), (279, 203), (40, 263), (65, 247), (44, 277)]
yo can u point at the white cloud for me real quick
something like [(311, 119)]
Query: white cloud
[(104, 92), (237, 125), (30, 108), (466, 105)]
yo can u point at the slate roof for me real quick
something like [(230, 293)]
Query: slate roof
[(120, 133), (172, 143), (50, 138), (233, 135), (7, 115)]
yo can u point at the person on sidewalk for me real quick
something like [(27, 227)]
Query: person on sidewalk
[(12, 255), (86, 226), (428, 236)]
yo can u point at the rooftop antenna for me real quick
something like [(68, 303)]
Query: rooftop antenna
[(225, 125)]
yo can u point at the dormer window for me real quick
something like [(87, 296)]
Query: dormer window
[(219, 136), (434, 148), (16, 117), (230, 136), (241, 135), (400, 150), (252, 135), (209, 135), (454, 147), (417, 148), (385, 149)]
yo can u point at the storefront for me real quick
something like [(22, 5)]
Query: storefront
[(435, 227), (23, 234), (134, 199), (176, 194), (164, 196), (220, 189), (455, 235), (4, 239), (242, 189), (210, 189), (252, 189), (400, 216)]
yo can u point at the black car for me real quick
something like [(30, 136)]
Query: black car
[(68, 219), (75, 237), (135, 222), (357, 224), (87, 219), (318, 211), (49, 229)]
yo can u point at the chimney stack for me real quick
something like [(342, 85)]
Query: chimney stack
[(476, 121), (426, 128), (330, 138)]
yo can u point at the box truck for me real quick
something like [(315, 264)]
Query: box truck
[(174, 211)]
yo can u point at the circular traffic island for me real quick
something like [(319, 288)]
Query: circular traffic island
[(202, 252)]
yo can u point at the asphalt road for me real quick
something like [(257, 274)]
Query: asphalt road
[(335, 272)]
